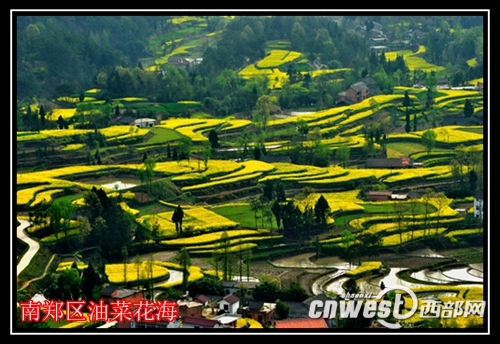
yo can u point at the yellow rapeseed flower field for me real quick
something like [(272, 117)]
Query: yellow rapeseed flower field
[(198, 219), (115, 272)]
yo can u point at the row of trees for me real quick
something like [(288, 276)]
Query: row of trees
[(296, 224)]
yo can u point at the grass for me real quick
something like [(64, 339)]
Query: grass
[(398, 149), (163, 135), (388, 208), (242, 214), (37, 267), (473, 130)]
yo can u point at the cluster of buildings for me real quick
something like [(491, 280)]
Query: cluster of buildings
[(220, 312)]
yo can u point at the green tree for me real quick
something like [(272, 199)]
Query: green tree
[(321, 210), (225, 243), (429, 140), (149, 174), (185, 146), (266, 291), (342, 155), (177, 217), (69, 284), (282, 309), (262, 111), (207, 154), (348, 239), (124, 258), (276, 209), (242, 143), (185, 262), (42, 116), (90, 281), (468, 109), (213, 137)]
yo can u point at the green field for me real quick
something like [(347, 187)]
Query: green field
[(398, 149), (242, 214), (163, 135)]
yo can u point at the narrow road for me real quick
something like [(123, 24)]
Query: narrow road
[(33, 246)]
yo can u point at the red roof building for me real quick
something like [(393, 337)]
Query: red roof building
[(304, 323)]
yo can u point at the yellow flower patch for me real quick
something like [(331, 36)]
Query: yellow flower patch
[(278, 57), (115, 272), (209, 238), (73, 147), (394, 240), (199, 219), (64, 113), (67, 265), (365, 267)]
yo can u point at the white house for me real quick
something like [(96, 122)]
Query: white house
[(478, 205), (230, 304), (144, 122)]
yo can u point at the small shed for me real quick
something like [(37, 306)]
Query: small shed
[(145, 122), (379, 195)]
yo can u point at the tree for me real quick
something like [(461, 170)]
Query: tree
[(276, 209), (148, 167), (468, 109), (294, 293), (256, 153), (399, 210), (282, 309), (42, 116), (347, 241), (69, 285), (177, 217), (266, 291), (125, 257), (90, 281), (207, 154), (262, 111), (185, 262), (302, 128), (429, 140), (426, 200), (441, 202), (206, 285), (224, 248), (213, 137), (185, 146), (342, 155), (242, 143), (60, 213), (321, 210)]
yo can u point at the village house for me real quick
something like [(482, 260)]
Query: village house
[(354, 94), (229, 304), (195, 322), (261, 311), (112, 293), (145, 122), (403, 162), (190, 308), (379, 195)]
